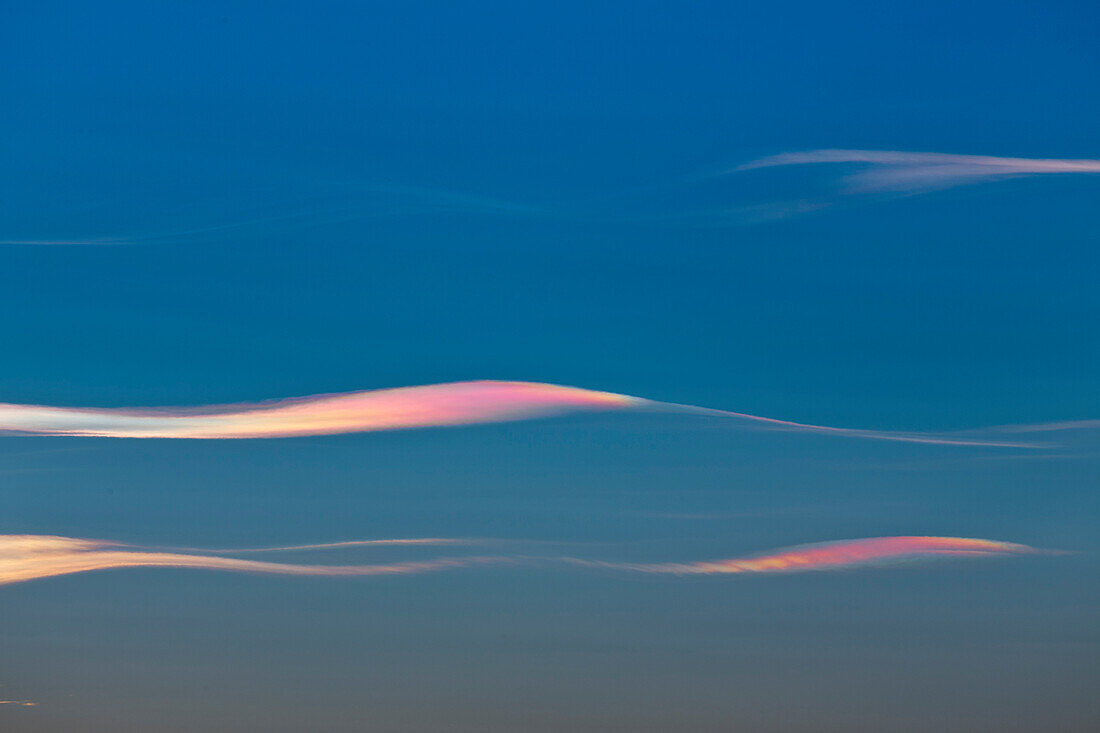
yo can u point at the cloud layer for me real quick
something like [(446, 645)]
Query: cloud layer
[(30, 557)]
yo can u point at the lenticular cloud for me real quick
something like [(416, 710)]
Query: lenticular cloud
[(840, 555), (435, 405), (458, 403), (31, 557)]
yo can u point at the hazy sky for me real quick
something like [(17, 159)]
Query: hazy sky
[(873, 216)]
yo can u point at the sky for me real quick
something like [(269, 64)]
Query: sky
[(732, 327)]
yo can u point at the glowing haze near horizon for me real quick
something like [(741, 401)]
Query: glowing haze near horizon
[(770, 274)]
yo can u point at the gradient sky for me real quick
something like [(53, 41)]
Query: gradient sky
[(230, 202)]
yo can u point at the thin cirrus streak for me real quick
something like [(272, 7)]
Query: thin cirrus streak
[(31, 557), (59, 242), (1048, 427), (370, 201), (912, 172), (892, 170), (163, 236), (904, 437), (437, 405), (19, 703)]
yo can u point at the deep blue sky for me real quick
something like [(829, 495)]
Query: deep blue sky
[(319, 197)]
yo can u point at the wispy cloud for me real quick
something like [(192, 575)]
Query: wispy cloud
[(31, 557), (896, 436), (61, 242), (349, 202), (897, 171), (162, 236), (1048, 427), (348, 544), (436, 405), (19, 703)]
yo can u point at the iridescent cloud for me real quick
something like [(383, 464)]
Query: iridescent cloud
[(892, 170), (30, 557), (839, 555), (456, 403)]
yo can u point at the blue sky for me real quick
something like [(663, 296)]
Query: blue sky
[(282, 199)]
